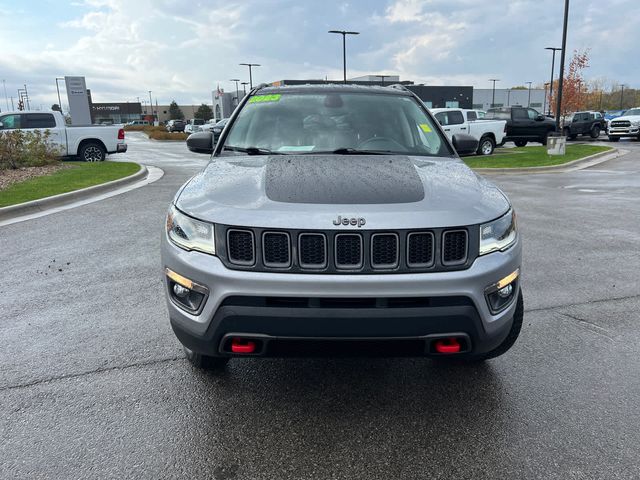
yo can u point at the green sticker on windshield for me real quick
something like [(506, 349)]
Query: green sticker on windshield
[(425, 128), (265, 98)]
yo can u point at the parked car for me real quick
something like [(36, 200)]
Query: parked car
[(627, 125), (138, 122), (219, 124), (320, 229), (91, 144), (523, 124), (175, 126), (191, 125), (584, 123), (489, 133)]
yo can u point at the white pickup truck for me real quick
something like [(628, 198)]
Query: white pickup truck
[(90, 143), (489, 133)]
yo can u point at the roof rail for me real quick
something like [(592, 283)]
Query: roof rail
[(398, 86)]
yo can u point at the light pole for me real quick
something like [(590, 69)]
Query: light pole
[(58, 89), (508, 97), (244, 88), (236, 80), (493, 97), (622, 94), (6, 98), (562, 57), (529, 100), (544, 105), (553, 65), (344, 34), (151, 107), (250, 77)]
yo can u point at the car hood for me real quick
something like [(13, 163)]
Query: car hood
[(631, 118), (311, 191)]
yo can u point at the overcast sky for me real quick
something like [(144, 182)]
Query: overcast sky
[(183, 49)]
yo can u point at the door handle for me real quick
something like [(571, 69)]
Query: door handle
[(447, 129), (463, 128)]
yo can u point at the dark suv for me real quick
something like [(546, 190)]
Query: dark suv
[(523, 124), (584, 123)]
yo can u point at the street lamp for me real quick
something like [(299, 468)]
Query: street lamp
[(622, 94), (344, 34), (236, 80), (493, 97), (562, 57), (244, 88), (544, 105), (6, 98), (151, 107), (529, 101), (58, 89), (250, 77), (553, 65)]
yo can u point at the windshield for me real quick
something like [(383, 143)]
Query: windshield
[(633, 111), (335, 122)]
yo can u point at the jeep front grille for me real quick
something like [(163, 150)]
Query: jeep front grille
[(335, 251), (454, 248), (240, 247)]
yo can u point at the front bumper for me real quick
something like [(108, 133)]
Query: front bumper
[(632, 131), (457, 303)]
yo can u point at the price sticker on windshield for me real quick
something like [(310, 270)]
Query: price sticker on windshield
[(425, 128), (265, 98)]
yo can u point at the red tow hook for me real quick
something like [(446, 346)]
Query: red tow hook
[(447, 345), (240, 345)]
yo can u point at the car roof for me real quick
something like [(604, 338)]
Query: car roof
[(335, 88)]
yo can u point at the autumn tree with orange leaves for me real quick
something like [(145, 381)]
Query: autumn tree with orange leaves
[(574, 89)]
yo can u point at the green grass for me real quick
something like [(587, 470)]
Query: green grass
[(79, 175), (531, 157)]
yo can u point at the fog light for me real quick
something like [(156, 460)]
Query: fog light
[(186, 293), (506, 291), (500, 294), (180, 291)]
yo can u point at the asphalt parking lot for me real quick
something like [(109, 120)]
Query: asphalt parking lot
[(93, 383)]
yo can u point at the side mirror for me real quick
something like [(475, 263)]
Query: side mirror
[(200, 142), (540, 118), (465, 144), (1, 125)]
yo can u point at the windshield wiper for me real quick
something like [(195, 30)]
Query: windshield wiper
[(252, 150), (355, 151)]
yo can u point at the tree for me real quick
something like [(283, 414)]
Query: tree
[(204, 112), (574, 88), (174, 111), (56, 108)]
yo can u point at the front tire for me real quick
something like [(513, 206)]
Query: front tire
[(486, 146), (92, 152), (205, 362), (521, 143), (595, 131)]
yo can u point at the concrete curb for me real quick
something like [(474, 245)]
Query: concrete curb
[(46, 203), (572, 166)]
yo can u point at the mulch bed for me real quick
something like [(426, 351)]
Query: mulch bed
[(9, 177)]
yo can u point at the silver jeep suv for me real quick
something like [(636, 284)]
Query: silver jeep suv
[(339, 220)]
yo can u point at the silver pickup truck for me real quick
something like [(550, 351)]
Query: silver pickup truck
[(91, 143), (339, 220)]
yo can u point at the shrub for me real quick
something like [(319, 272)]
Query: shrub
[(19, 149), (144, 128), (164, 135)]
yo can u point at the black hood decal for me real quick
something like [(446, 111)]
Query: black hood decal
[(338, 179)]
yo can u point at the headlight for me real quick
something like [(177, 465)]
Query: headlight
[(189, 233), (499, 234)]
